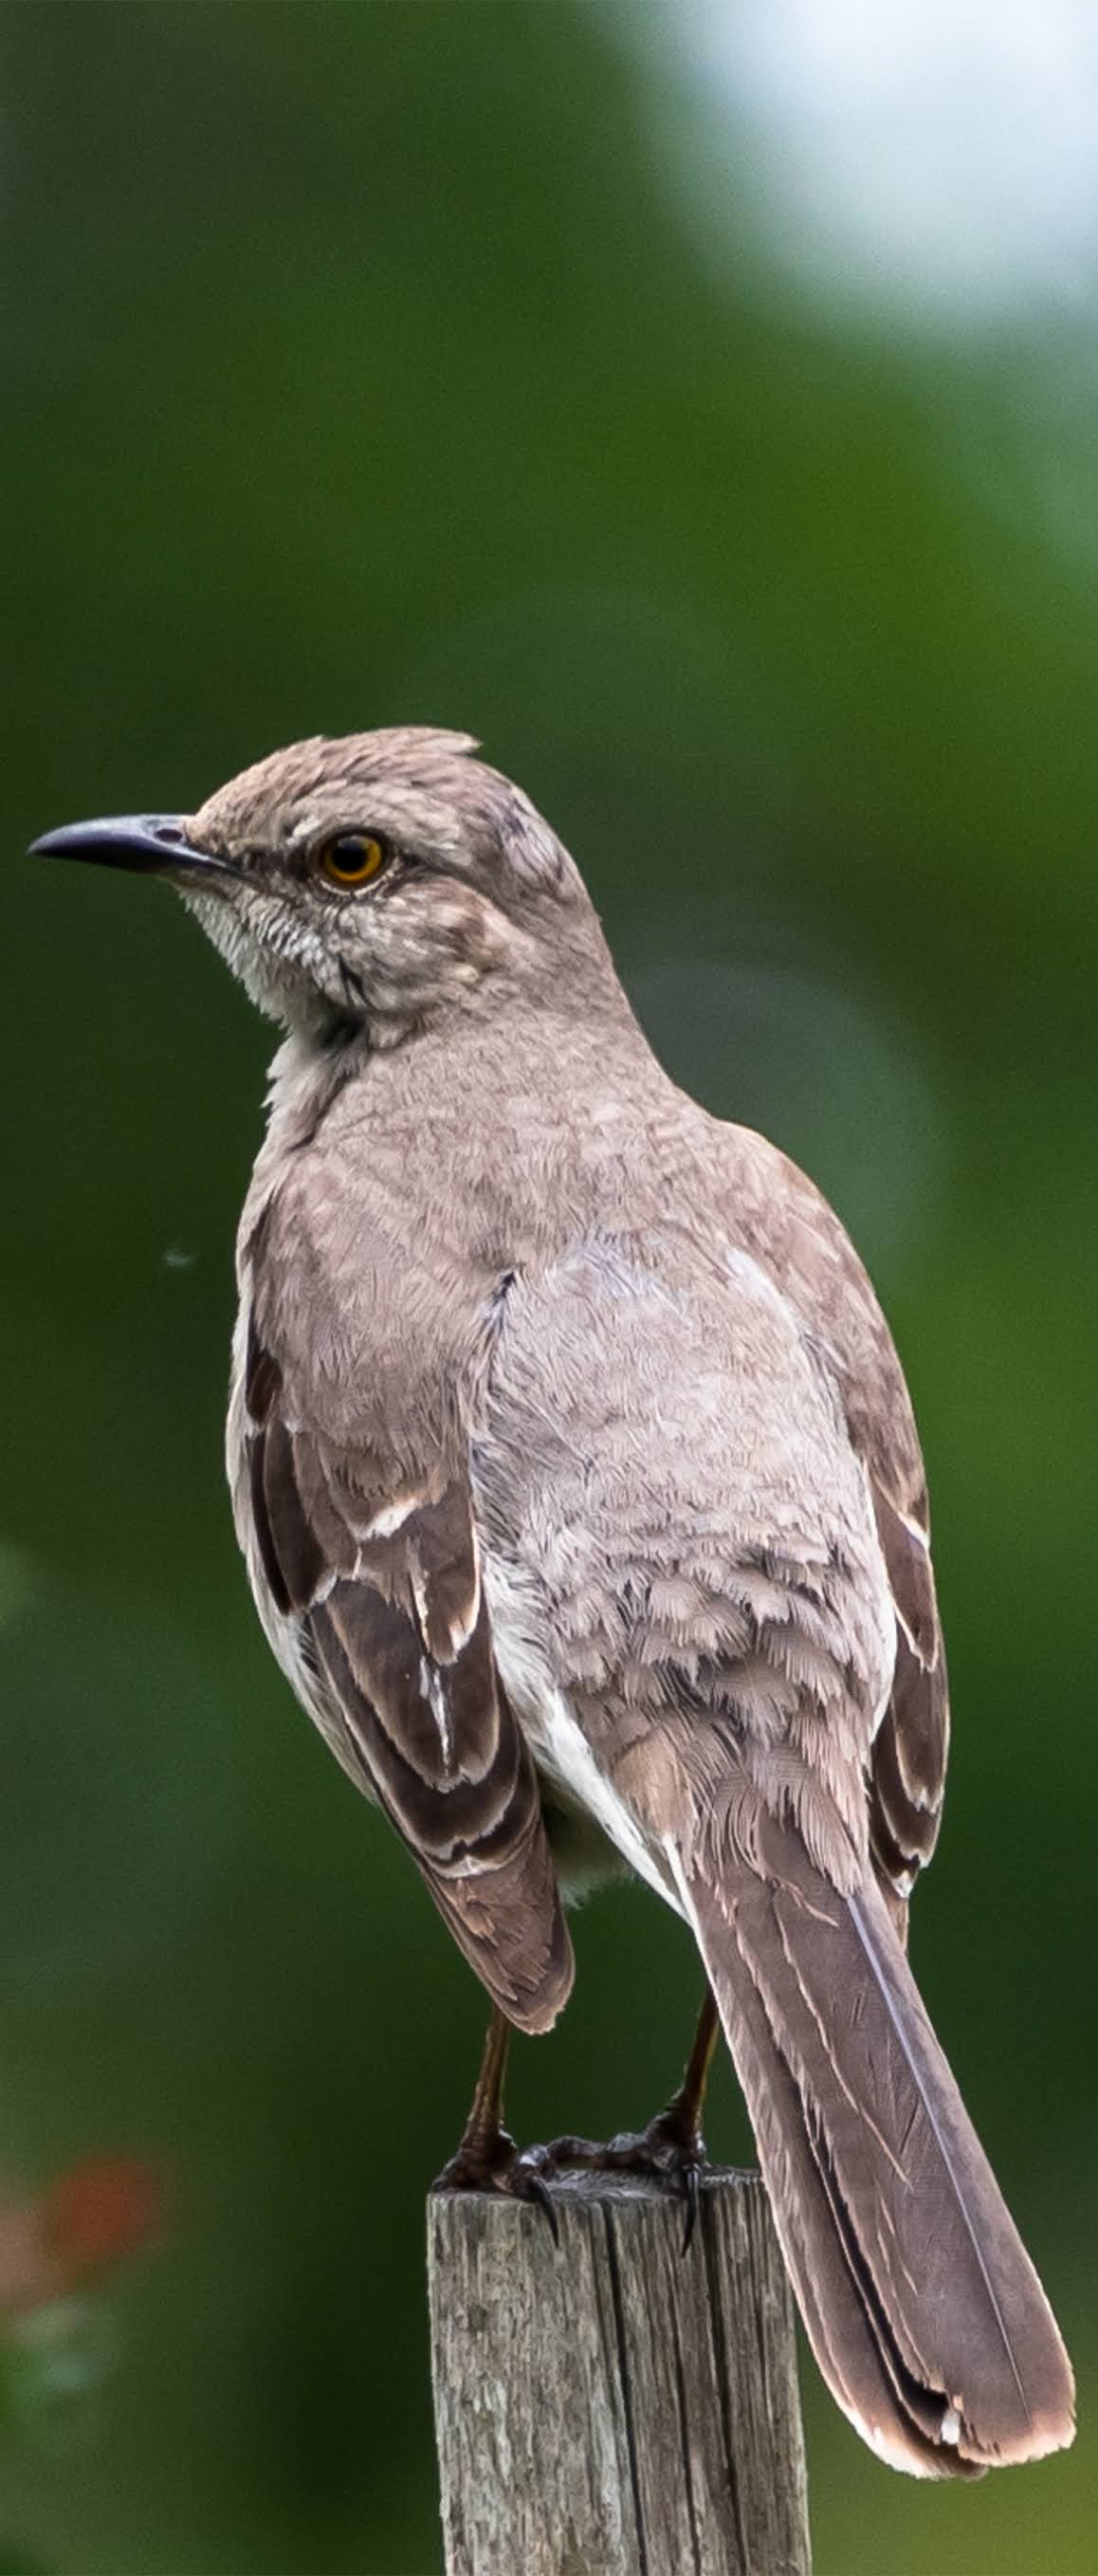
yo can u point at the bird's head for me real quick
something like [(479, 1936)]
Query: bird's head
[(369, 882)]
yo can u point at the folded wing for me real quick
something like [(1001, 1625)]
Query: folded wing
[(393, 1635)]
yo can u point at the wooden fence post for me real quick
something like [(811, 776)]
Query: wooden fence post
[(616, 2408)]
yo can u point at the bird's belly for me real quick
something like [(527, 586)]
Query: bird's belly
[(584, 1857)]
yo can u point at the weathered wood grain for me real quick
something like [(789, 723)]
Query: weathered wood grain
[(616, 2408)]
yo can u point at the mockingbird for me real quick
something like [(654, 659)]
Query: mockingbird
[(582, 1503)]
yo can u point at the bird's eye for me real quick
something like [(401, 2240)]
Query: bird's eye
[(352, 858)]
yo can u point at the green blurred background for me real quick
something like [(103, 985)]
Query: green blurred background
[(721, 449)]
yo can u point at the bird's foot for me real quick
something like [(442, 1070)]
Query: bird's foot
[(492, 2162), (671, 2149)]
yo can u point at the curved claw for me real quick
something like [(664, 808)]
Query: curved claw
[(494, 2164), (690, 2177), (537, 2191)]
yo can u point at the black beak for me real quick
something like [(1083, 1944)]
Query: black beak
[(150, 843)]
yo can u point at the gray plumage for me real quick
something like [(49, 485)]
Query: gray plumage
[(583, 1505)]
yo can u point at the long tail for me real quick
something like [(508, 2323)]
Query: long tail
[(922, 2307)]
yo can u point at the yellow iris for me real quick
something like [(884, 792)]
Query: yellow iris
[(352, 859)]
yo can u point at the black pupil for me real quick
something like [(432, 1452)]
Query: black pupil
[(352, 853)]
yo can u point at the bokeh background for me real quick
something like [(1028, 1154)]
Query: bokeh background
[(700, 404)]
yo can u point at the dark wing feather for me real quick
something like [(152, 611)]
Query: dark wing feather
[(395, 1624)]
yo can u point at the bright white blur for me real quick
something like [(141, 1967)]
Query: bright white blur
[(940, 155)]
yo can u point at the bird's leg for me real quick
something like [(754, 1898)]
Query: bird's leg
[(484, 2133), (487, 2158), (674, 2138), (684, 2110), (672, 2146)]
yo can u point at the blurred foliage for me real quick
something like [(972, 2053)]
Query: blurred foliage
[(359, 365)]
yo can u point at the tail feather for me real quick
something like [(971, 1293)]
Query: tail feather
[(923, 2309)]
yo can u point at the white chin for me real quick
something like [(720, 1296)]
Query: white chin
[(278, 983)]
